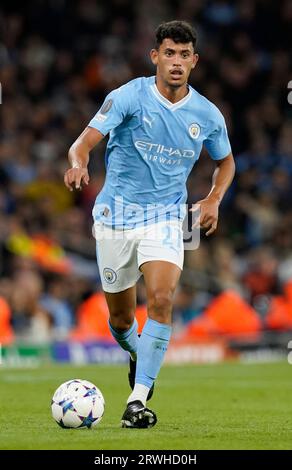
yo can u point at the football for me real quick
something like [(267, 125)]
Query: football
[(77, 404)]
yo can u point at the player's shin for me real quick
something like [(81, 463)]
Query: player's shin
[(128, 340), (152, 347)]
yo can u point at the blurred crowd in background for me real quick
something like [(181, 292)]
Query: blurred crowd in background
[(58, 60)]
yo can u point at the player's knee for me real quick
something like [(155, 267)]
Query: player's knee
[(122, 319), (160, 305)]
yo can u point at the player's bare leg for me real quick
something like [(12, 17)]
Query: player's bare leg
[(161, 279), (122, 321), (122, 306)]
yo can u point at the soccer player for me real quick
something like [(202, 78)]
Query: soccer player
[(157, 128)]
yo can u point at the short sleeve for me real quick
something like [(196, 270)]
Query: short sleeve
[(217, 142), (116, 107)]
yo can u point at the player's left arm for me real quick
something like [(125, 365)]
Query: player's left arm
[(209, 207), (218, 146)]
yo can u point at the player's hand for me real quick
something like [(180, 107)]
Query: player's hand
[(208, 215), (74, 178)]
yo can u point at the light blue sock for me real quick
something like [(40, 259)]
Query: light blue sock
[(152, 347), (128, 340)]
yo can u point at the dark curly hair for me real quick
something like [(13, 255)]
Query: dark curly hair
[(178, 31)]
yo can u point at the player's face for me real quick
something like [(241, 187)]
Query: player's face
[(174, 62)]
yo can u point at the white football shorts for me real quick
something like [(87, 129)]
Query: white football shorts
[(120, 253)]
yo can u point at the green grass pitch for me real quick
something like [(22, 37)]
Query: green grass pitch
[(225, 406)]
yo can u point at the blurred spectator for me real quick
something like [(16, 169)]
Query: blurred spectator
[(31, 322), (6, 333), (54, 301), (260, 277)]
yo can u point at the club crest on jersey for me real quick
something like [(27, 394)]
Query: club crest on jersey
[(194, 131), (109, 275)]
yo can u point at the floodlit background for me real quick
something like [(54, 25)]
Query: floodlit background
[(58, 61)]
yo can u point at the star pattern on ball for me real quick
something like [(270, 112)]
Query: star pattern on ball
[(60, 423), (72, 382), (88, 422), (68, 405), (91, 391)]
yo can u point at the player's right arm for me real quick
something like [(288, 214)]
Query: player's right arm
[(116, 107), (79, 157)]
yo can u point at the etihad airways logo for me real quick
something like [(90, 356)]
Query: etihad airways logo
[(162, 150)]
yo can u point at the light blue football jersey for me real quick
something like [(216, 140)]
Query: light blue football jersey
[(152, 148)]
